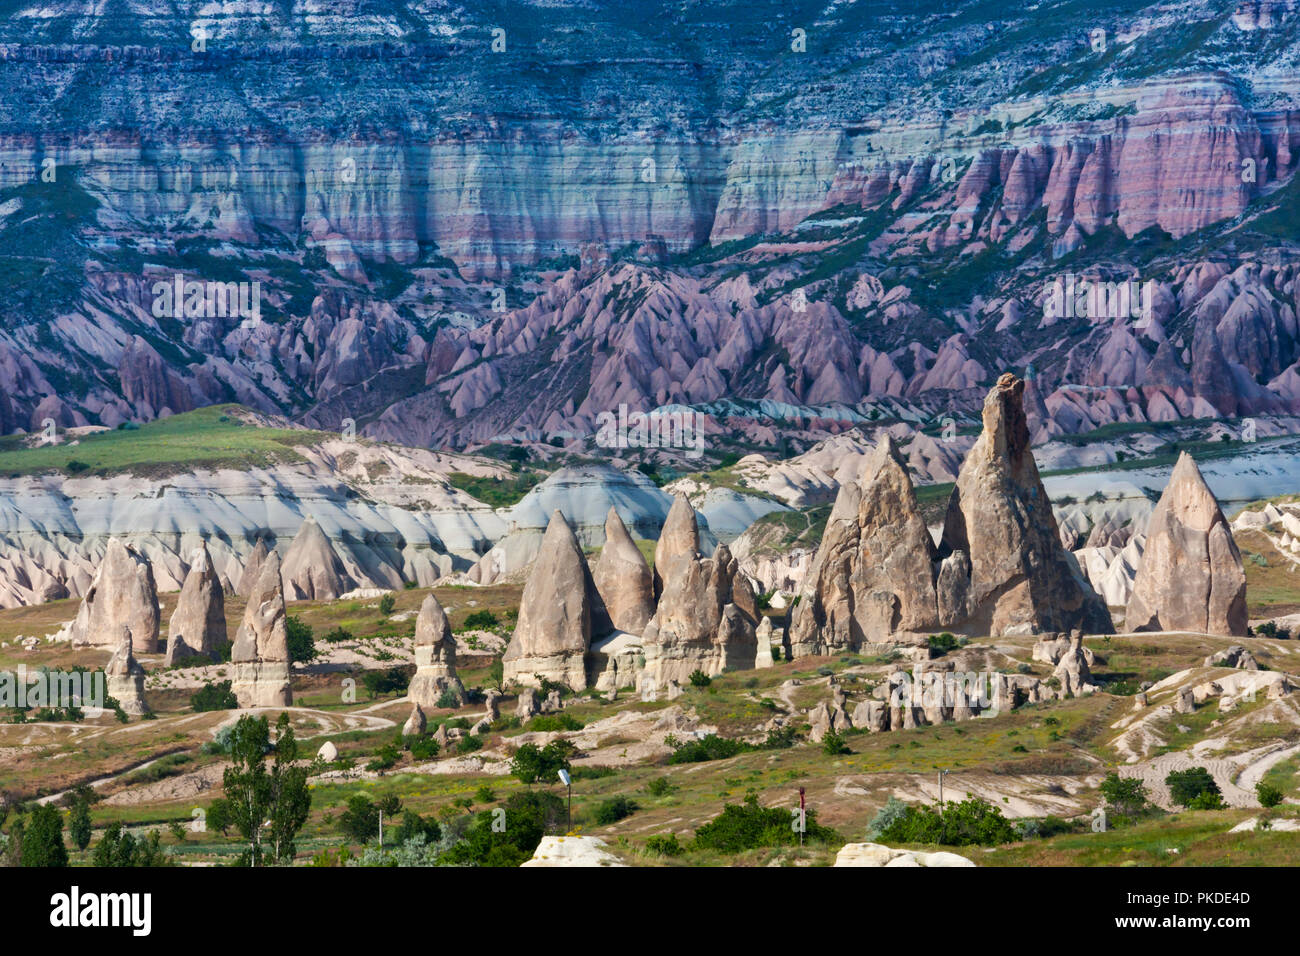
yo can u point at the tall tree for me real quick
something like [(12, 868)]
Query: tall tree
[(43, 838), (289, 794), (79, 823), (247, 784)]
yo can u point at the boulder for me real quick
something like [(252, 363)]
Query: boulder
[(876, 854), (527, 706), (763, 634), (260, 655), (1021, 579), (416, 723), (1235, 656), (311, 568), (1190, 577), (121, 595), (554, 629), (623, 579), (572, 851), (328, 752), (198, 625), (1072, 670), (125, 677), (435, 658)]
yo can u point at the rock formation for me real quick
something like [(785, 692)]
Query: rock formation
[(1004, 570), (554, 628), (260, 655), (252, 568), (435, 657), (122, 594), (872, 581), (1234, 656), (763, 635), (707, 615), (198, 625), (124, 676), (312, 570), (416, 723), (1072, 671), (679, 537), (328, 752), (1190, 577), (623, 578)]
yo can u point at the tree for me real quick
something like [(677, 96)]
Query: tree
[(216, 696), (1185, 786), (1126, 795), (360, 820), (1269, 795), (497, 674), (43, 838), (79, 823), (118, 849), (302, 644), (247, 784), (218, 817), (533, 764), (290, 795)]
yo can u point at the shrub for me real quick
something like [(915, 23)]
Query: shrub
[(528, 816), (480, 621), (533, 764), (302, 645), (614, 809), (385, 757), (360, 820), (700, 679), (664, 845), (893, 810), (660, 787), (1126, 795), (469, 744), (414, 825), (1205, 800), (711, 747), (386, 604), (1269, 795), (1043, 827), (941, 644), (449, 699), (1186, 785), (552, 722), (781, 738), (833, 744), (395, 680), (747, 826), (338, 636), (972, 821), (214, 697), (423, 748)]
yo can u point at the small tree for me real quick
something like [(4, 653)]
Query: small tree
[(43, 838), (360, 820), (218, 817), (290, 797), (247, 784), (79, 823), (1185, 786), (497, 674), (833, 744), (302, 643), (533, 764), (386, 604), (1269, 795), (1126, 795)]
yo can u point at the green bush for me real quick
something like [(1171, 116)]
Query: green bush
[(480, 621), (553, 722), (700, 679), (214, 697), (711, 747), (1269, 795), (660, 787), (302, 645), (386, 604), (423, 748), (395, 680), (748, 826), (1205, 800), (1125, 795), (1186, 785), (664, 845), (469, 744), (338, 636), (449, 699), (833, 744), (359, 821), (533, 764), (971, 822), (527, 817), (614, 809), (941, 644)]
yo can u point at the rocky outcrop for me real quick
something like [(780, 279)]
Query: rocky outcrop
[(572, 851), (554, 629), (763, 636), (1190, 577), (876, 854), (872, 581), (124, 676), (679, 537), (999, 519), (416, 723), (312, 570), (623, 579), (260, 655), (435, 658), (707, 613), (1234, 656), (252, 568), (198, 625), (122, 595)]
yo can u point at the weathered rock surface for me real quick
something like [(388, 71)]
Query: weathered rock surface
[(554, 629), (623, 579), (873, 578), (311, 568), (999, 516), (572, 851), (260, 654), (876, 854), (1190, 577), (252, 568), (416, 723), (122, 595), (124, 676), (435, 657), (679, 537), (198, 625)]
